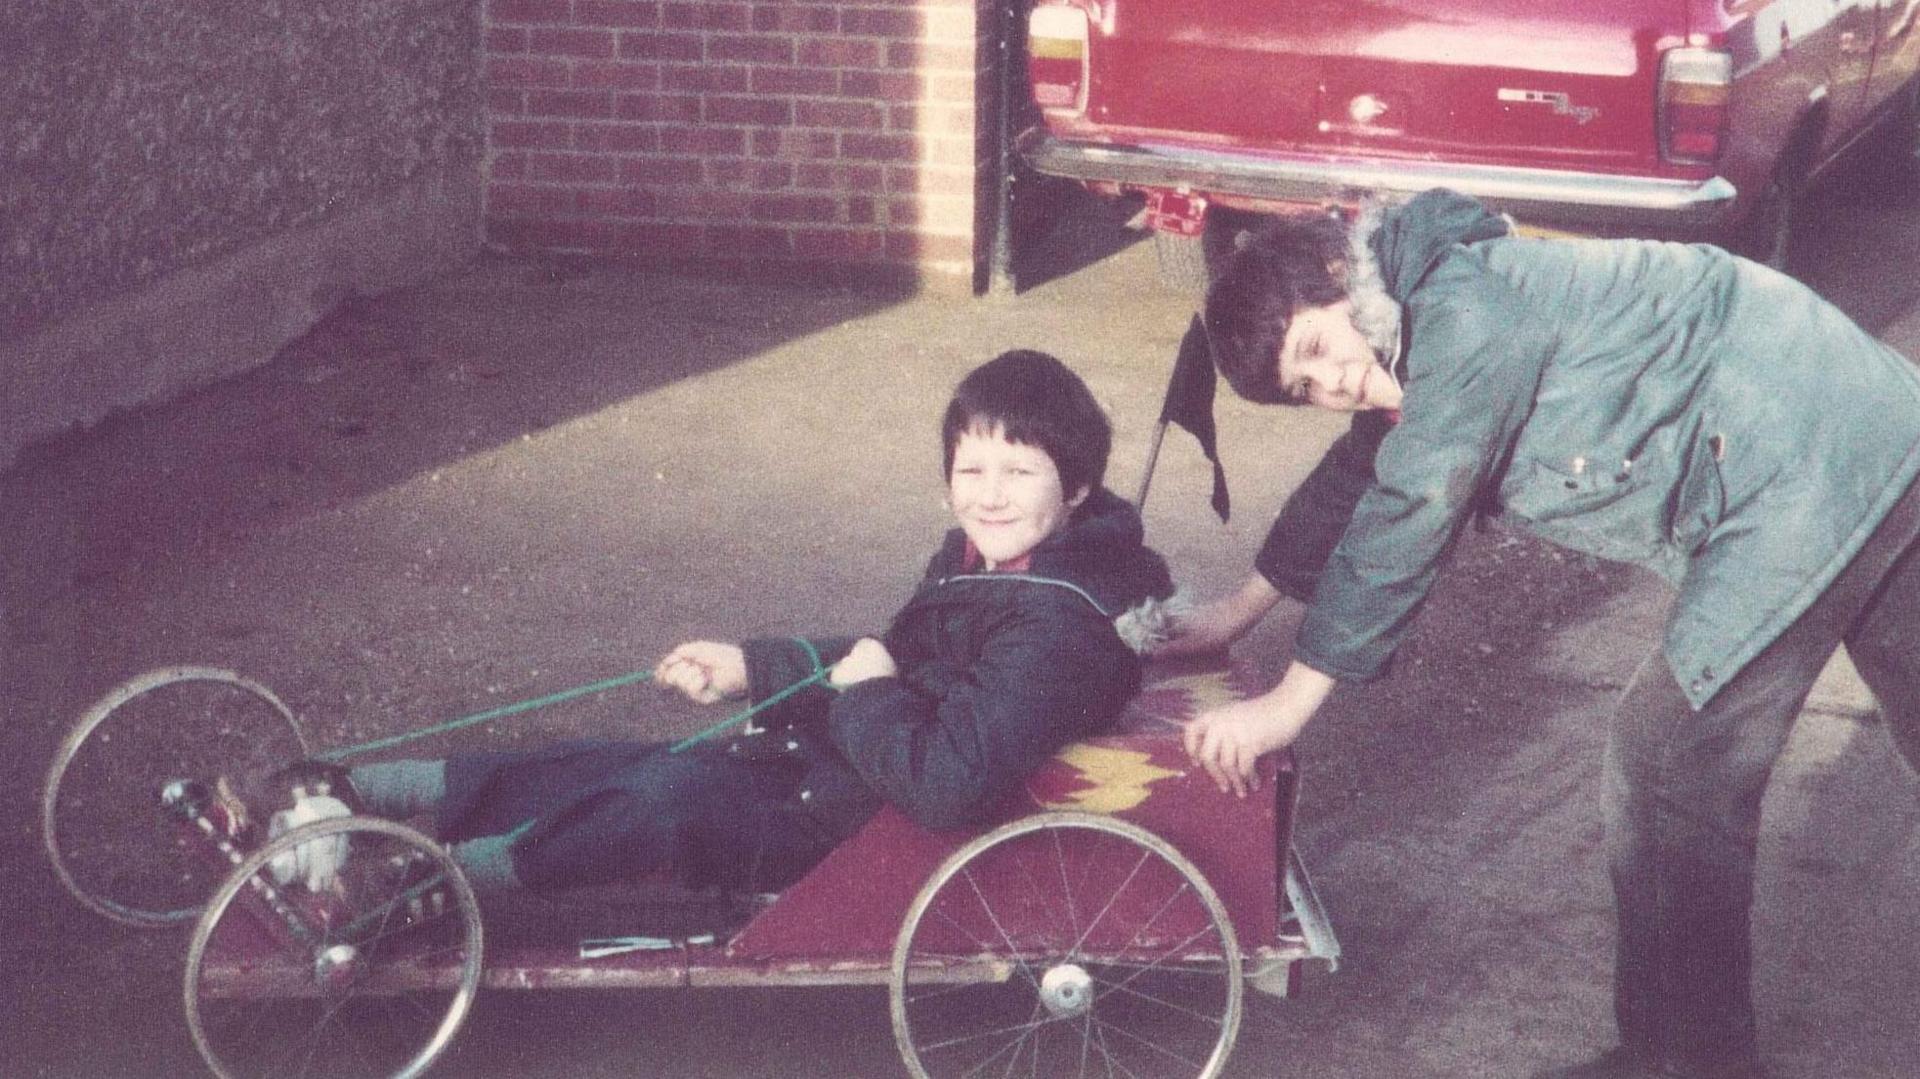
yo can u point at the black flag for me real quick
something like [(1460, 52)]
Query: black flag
[(1189, 403)]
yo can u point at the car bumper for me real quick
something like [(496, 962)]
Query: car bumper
[(1578, 200)]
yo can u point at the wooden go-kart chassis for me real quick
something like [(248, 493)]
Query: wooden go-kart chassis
[(1118, 861)]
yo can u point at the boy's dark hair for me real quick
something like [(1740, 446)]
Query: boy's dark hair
[(1292, 263), (1036, 400)]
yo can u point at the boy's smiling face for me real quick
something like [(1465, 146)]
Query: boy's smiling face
[(1006, 495)]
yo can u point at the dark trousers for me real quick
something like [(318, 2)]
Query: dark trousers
[(597, 812), (1683, 791)]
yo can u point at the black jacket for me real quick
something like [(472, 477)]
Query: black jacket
[(996, 671)]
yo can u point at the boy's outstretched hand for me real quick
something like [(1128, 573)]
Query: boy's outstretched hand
[(1226, 741), (706, 671), (868, 659), (1210, 627)]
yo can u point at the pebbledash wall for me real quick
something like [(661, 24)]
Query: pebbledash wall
[(785, 137), (187, 185)]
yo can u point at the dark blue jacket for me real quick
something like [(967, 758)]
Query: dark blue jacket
[(996, 672)]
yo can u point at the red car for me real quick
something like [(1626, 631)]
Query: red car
[(1692, 119)]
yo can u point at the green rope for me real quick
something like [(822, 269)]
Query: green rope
[(482, 717), (820, 672), (741, 717)]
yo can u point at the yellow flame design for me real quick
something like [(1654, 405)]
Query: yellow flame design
[(1203, 691), (1119, 778)]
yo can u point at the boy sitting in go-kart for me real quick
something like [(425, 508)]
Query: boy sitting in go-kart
[(1023, 636)]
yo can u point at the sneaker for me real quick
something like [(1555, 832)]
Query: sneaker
[(315, 863)]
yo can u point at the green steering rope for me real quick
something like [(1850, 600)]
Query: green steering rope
[(820, 672)]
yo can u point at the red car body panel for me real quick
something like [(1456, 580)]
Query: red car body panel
[(1547, 108)]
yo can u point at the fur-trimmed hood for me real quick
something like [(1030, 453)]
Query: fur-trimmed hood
[(1376, 314)]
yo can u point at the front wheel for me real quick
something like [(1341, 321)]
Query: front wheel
[(345, 948), (1066, 944), (112, 846)]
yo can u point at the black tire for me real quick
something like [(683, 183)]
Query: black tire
[(1183, 262), (1768, 235), (1188, 264)]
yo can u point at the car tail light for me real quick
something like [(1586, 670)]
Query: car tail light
[(1057, 57), (1694, 86)]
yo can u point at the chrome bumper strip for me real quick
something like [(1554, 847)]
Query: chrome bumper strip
[(1546, 195)]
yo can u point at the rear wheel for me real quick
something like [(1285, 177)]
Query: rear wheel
[(366, 971), (1770, 227), (1182, 261), (1066, 944), (1189, 264)]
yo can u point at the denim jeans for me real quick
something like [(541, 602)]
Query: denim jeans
[(1683, 790)]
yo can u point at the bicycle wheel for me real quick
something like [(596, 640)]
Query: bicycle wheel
[(365, 970), (1066, 944), (111, 844)]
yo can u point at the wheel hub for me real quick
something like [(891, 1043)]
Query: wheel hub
[(1067, 990), (337, 966)]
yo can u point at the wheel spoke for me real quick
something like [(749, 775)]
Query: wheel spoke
[(1013, 950), (1015, 1028), (1106, 1053), (1101, 885), (1066, 886), (344, 1006), (1162, 1002), (1156, 964), (1155, 1046), (1117, 892)]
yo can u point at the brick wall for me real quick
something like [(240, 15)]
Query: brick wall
[(791, 135)]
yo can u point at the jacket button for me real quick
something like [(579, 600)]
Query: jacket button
[(806, 796), (792, 745), (1572, 485), (733, 748)]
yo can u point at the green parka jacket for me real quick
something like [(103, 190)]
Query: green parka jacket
[(1661, 404)]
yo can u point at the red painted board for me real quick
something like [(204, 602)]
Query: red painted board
[(852, 904)]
